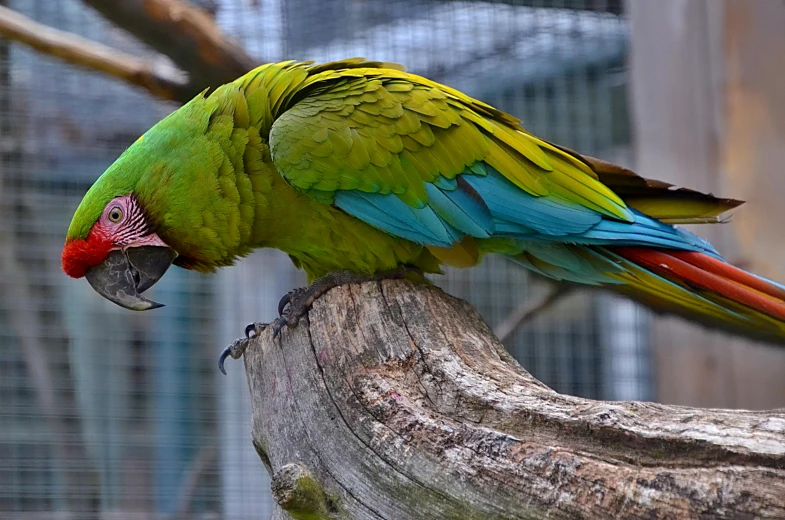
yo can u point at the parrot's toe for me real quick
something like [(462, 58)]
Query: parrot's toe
[(237, 348), (289, 297), (298, 307), (253, 329)]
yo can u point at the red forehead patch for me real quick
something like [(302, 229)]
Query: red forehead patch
[(80, 255)]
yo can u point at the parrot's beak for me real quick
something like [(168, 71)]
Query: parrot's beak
[(125, 274)]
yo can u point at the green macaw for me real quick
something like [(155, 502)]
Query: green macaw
[(359, 168)]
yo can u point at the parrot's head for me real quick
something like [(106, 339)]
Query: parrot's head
[(146, 211), (171, 197), (120, 253)]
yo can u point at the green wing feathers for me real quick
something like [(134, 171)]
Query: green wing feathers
[(386, 131)]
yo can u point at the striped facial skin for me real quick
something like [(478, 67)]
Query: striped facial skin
[(123, 221), (121, 225)]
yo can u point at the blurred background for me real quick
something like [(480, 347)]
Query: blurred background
[(110, 414)]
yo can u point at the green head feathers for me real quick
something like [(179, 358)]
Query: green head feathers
[(139, 169), (173, 171)]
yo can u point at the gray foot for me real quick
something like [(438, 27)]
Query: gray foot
[(237, 348), (298, 302)]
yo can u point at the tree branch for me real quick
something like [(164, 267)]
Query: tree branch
[(396, 402), (184, 33), (601, 6), (160, 80)]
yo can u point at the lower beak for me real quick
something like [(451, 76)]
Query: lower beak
[(125, 274)]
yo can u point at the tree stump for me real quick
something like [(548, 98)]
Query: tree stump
[(395, 401)]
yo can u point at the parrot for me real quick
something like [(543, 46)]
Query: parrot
[(359, 170)]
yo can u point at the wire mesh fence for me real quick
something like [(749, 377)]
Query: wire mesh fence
[(106, 413)]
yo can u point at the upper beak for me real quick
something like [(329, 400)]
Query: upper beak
[(125, 274)]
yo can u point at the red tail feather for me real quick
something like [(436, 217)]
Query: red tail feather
[(707, 273), (730, 272)]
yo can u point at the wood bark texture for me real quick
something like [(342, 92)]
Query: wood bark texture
[(395, 401)]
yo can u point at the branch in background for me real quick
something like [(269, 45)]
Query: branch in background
[(186, 34), (599, 6), (528, 310), (161, 80)]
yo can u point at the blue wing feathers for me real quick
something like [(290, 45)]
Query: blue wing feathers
[(543, 214), (644, 231), (355, 204), (510, 229), (391, 214), (462, 215), (482, 203)]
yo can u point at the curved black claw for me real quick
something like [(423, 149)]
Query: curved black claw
[(288, 319), (250, 328), (237, 348), (278, 324), (291, 298), (224, 354), (284, 302)]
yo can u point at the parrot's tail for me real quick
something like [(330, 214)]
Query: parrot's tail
[(703, 287)]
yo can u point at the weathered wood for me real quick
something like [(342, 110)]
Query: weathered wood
[(395, 401)]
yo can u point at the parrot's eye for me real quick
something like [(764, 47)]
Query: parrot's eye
[(116, 214)]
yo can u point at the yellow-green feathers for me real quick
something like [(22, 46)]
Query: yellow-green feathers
[(386, 131)]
